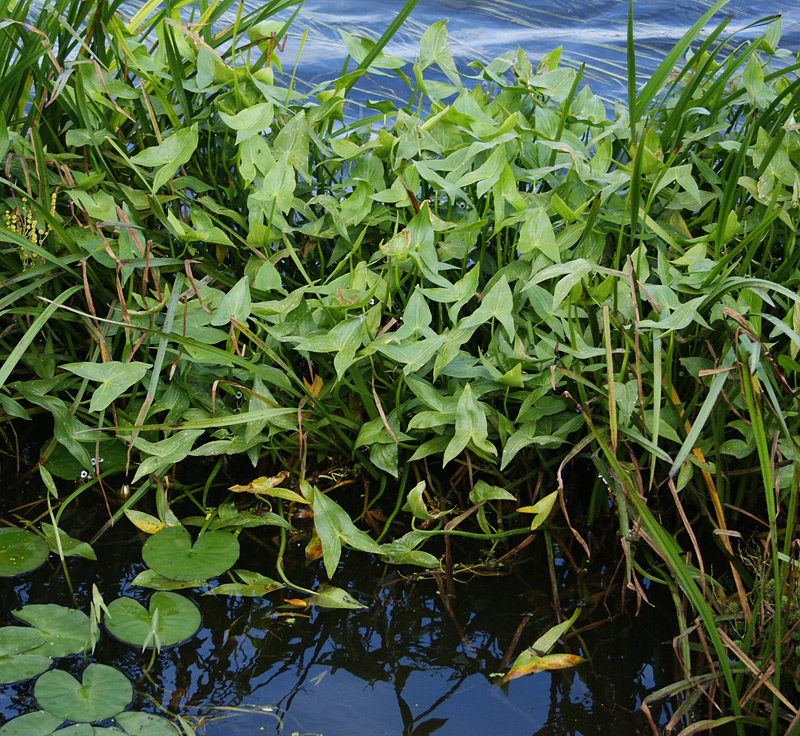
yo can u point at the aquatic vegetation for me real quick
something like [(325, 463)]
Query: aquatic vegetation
[(408, 327), (21, 551)]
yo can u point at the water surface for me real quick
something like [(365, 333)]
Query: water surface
[(591, 32)]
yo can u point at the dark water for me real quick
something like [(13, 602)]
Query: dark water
[(400, 667), (590, 31)]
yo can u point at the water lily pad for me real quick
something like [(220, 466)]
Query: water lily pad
[(103, 693), (170, 553), (151, 579), (130, 621), (21, 551), (62, 631), (39, 723), (145, 724), (253, 585), (84, 729), (16, 663)]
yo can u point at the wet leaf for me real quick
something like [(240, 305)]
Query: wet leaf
[(103, 692), (63, 631), (253, 585), (528, 662), (329, 596), (537, 658), (39, 723), (145, 724), (171, 554), (21, 551), (129, 621), (15, 661), (151, 579)]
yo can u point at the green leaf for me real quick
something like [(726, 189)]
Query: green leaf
[(333, 526), (535, 659), (69, 545), (170, 553), (164, 454), (16, 663), (253, 585), (416, 504), (344, 339), (404, 551), (145, 724), (497, 304), (21, 551), (168, 156), (252, 119), (84, 729), (549, 639), (483, 492), (234, 306), (329, 596), (537, 234), (528, 434), (63, 631), (115, 378), (129, 621), (154, 581), (470, 427), (39, 723), (541, 509), (433, 49), (102, 694)]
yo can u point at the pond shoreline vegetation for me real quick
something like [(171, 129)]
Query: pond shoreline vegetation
[(409, 326)]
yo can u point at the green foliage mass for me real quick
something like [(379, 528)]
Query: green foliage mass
[(199, 260)]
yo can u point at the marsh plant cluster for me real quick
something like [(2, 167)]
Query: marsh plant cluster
[(412, 320)]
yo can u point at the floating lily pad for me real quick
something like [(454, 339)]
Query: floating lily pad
[(253, 585), (84, 729), (170, 553), (151, 579), (62, 631), (130, 621), (145, 724), (39, 723), (16, 662), (103, 693), (21, 551)]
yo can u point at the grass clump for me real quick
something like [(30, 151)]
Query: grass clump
[(465, 300)]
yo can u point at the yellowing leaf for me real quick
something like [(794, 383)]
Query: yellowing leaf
[(541, 509), (266, 485), (534, 663), (144, 522), (315, 387)]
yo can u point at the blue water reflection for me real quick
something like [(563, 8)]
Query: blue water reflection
[(592, 32)]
